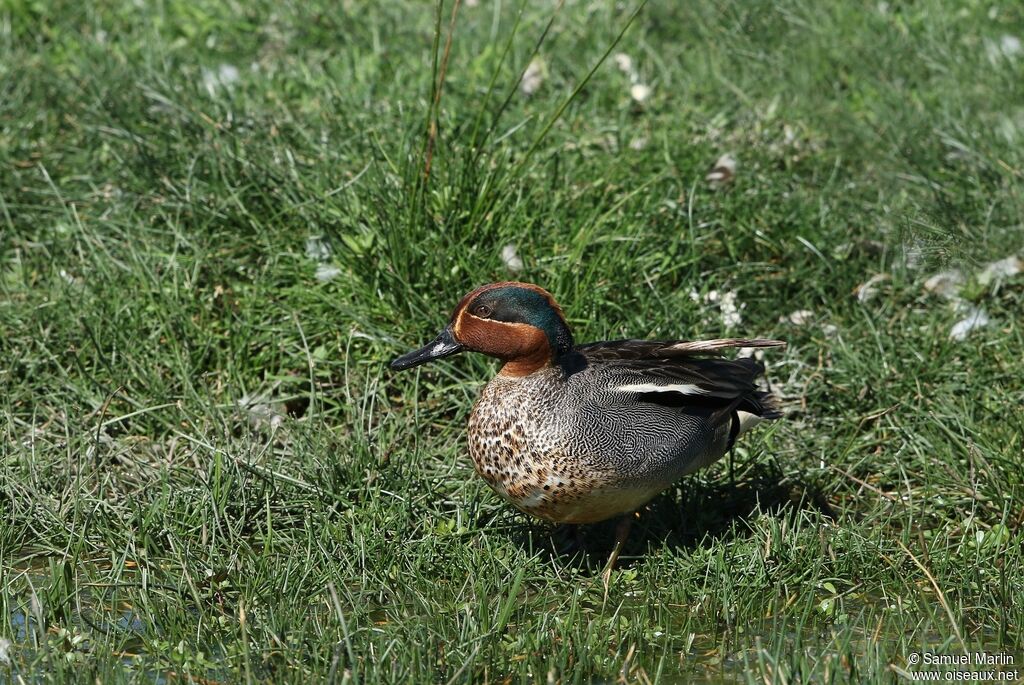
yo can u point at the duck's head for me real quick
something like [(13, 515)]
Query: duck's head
[(519, 323)]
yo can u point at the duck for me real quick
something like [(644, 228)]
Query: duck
[(580, 433)]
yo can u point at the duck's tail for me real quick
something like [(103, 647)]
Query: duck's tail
[(750, 410), (766, 405)]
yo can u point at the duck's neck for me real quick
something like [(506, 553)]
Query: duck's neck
[(541, 358), (526, 365)]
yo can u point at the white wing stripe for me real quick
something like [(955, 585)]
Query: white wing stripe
[(682, 388)]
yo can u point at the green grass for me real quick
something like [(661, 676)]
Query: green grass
[(207, 471)]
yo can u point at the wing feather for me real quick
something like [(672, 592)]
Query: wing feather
[(681, 373)]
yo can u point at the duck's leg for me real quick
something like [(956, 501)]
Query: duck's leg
[(571, 539), (621, 534)]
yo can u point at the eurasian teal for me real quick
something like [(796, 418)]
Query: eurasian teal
[(581, 433)]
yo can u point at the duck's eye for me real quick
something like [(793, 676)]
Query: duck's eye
[(482, 310)]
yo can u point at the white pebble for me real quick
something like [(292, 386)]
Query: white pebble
[(867, 291), (640, 92), (723, 171), (977, 318), (327, 272), (800, 317), (997, 271), (513, 262), (533, 77), (624, 62), (945, 283), (317, 248)]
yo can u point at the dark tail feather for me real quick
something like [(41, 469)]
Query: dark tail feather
[(759, 403), (766, 405)]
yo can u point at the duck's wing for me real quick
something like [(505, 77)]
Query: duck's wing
[(679, 374)]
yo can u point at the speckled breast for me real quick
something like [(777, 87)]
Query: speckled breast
[(523, 443)]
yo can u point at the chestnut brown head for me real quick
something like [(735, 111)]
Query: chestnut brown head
[(519, 323)]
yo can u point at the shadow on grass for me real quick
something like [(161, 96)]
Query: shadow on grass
[(690, 515)]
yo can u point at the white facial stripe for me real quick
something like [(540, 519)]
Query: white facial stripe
[(682, 388)]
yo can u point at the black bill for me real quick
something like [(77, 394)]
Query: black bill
[(441, 346)]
